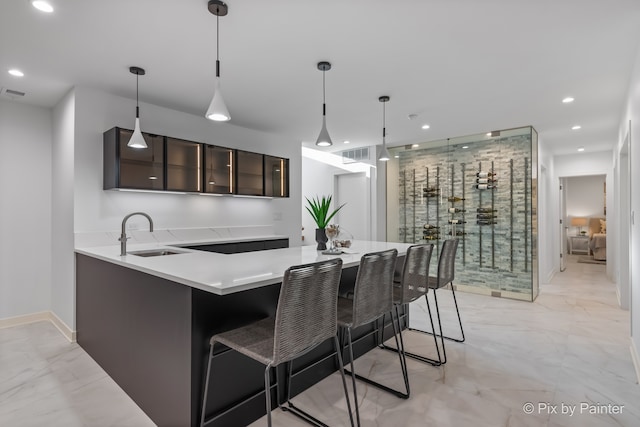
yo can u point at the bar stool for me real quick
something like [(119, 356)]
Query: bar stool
[(446, 273), (372, 298), (412, 285), (305, 317)]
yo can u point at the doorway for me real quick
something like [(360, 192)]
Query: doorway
[(583, 215), (354, 219)]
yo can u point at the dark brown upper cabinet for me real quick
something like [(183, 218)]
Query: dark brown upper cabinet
[(172, 164), (250, 170), (133, 168), (276, 176), (219, 164), (184, 165)]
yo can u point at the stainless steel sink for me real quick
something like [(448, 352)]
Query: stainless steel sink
[(156, 252)]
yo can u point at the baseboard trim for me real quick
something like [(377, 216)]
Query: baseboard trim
[(62, 327), (636, 359), (43, 316)]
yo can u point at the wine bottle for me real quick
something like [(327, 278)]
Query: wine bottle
[(485, 222), (485, 174), (431, 237), (430, 227), (456, 210), (459, 233), (486, 210), (457, 221), (430, 189), (485, 186), (431, 194), (455, 199), (486, 180), (486, 216)]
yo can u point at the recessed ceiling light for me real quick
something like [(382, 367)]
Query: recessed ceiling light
[(465, 147), (488, 133), (567, 100), (425, 126), (16, 72), (576, 127), (415, 145), (581, 149), (396, 156), (42, 5), (346, 142)]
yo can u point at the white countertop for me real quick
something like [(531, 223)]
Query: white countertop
[(223, 274)]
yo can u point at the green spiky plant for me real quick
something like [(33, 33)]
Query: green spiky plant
[(319, 210)]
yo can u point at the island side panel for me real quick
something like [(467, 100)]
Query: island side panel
[(138, 328)]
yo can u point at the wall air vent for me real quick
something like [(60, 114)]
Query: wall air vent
[(11, 93), (355, 155)]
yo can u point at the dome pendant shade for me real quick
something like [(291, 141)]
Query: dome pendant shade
[(137, 140), (324, 140), (217, 109)]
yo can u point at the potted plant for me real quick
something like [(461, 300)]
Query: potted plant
[(319, 210)]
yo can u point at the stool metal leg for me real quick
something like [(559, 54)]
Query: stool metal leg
[(206, 387), (425, 359), (455, 301), (267, 392)]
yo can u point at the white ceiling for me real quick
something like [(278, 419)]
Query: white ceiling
[(462, 66)]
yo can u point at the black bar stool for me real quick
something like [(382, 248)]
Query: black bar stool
[(372, 298), (306, 316), (413, 284)]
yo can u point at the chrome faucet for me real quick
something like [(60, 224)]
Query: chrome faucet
[(123, 235)]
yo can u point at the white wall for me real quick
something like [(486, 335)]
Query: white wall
[(62, 175), (585, 196), (548, 216), (632, 113), (98, 210), (25, 212)]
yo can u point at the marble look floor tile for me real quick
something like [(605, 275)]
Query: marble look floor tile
[(568, 347)]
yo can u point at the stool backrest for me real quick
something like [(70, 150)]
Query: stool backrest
[(415, 272), (307, 308), (447, 262), (373, 291)]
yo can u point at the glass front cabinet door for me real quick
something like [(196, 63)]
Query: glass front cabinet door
[(250, 173), (133, 168), (184, 160), (276, 176), (219, 168)]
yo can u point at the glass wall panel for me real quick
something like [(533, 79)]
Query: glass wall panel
[(479, 189)]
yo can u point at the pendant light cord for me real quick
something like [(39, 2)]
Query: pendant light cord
[(324, 92), (384, 123), (137, 106), (218, 43)]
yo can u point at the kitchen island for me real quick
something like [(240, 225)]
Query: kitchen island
[(147, 321)]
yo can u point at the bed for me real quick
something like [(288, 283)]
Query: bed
[(598, 238)]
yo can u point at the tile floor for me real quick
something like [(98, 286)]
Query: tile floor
[(568, 348)]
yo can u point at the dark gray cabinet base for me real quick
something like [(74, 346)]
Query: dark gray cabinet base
[(151, 336)]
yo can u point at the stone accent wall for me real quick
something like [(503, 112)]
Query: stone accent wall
[(497, 257)]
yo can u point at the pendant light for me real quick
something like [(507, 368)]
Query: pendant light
[(384, 154), (324, 140), (217, 109), (137, 140)]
